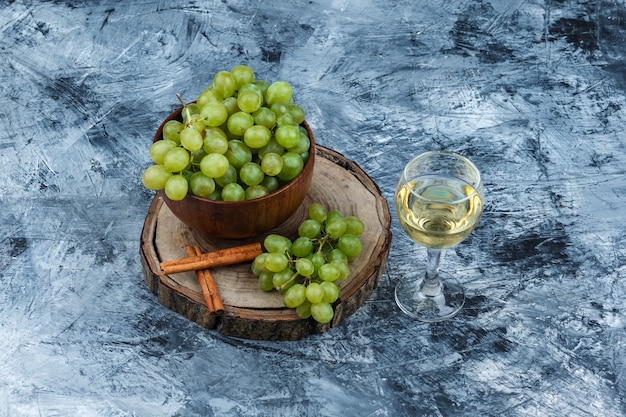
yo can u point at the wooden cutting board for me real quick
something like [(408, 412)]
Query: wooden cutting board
[(249, 312)]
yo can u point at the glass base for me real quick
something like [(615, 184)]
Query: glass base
[(430, 308)]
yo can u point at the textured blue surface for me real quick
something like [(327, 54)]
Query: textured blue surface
[(531, 91)]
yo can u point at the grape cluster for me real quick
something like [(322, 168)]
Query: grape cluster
[(306, 270), (241, 139)]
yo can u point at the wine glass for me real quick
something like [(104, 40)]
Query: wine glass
[(439, 201)]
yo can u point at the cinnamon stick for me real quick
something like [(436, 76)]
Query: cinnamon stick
[(203, 284), (222, 257), (208, 285)]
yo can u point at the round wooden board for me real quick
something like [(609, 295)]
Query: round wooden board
[(248, 311)]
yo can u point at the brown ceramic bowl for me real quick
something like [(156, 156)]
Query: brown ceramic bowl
[(241, 219)]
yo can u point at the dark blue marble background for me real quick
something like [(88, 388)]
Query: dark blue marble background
[(531, 90)]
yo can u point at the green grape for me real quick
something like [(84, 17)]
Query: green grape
[(350, 244), (233, 192), (281, 277), (262, 84), (305, 267), (159, 148), (251, 174), (238, 122), (229, 177), (318, 261), (195, 121), (336, 227), (191, 139), (317, 212), (254, 268), (215, 141), (242, 74), (264, 117), (176, 159), (216, 131), (224, 83), (238, 153), (216, 195), (249, 101), (292, 166), (354, 225), (297, 113), (257, 136), (271, 147), (279, 108), (331, 291), (337, 255), (271, 164), (287, 135), (322, 312), (329, 272), (295, 295), (187, 174), (303, 145), (344, 269), (266, 281), (310, 228), (214, 165), (285, 119), (333, 214), (172, 129), (231, 105), (256, 191), (274, 243), (155, 177), (302, 247), (279, 91), (201, 185), (208, 96), (271, 183), (176, 187), (304, 310), (314, 293), (259, 262), (214, 113), (251, 87)]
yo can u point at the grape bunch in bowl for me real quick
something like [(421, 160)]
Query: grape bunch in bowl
[(236, 162)]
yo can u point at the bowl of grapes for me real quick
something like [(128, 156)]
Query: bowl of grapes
[(235, 162)]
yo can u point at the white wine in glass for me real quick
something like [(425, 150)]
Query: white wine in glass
[(439, 201)]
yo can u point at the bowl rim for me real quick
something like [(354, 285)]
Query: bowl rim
[(158, 135)]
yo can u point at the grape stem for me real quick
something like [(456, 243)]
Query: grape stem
[(185, 107), (181, 100), (321, 242), (288, 282)]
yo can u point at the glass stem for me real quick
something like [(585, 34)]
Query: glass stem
[(432, 285)]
